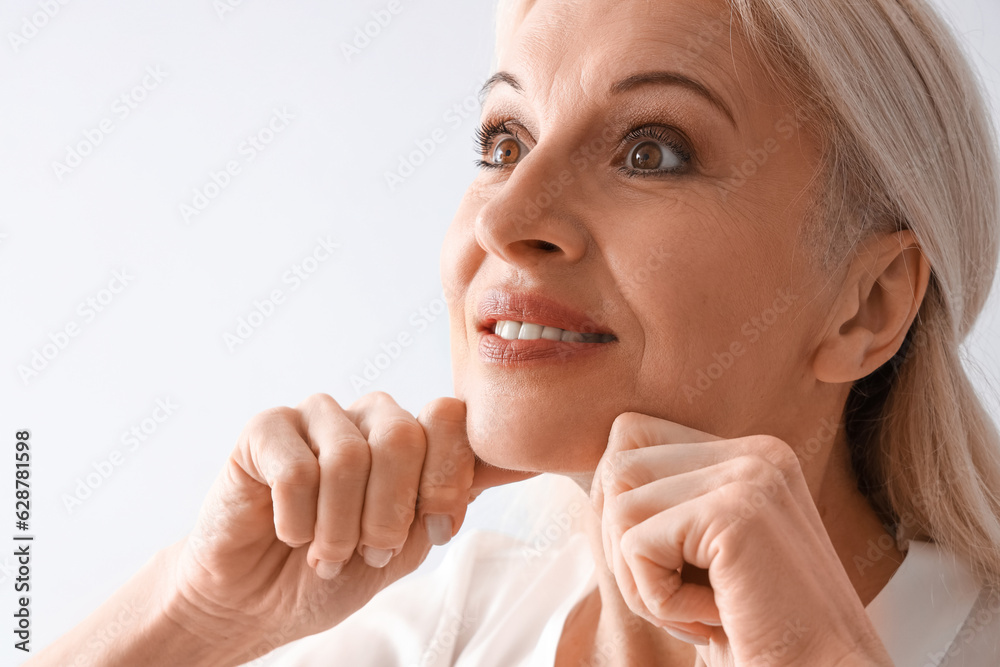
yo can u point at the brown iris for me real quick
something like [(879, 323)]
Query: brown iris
[(506, 152), (647, 155)]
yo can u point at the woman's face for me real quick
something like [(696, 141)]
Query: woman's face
[(622, 200)]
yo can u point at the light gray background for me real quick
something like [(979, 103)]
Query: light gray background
[(162, 336)]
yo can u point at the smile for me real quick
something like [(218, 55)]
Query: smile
[(511, 330)]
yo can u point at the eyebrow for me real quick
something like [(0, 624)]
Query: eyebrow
[(501, 76), (657, 77)]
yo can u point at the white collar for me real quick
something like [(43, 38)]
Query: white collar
[(920, 610)]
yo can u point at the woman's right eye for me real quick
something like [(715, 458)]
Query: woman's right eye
[(497, 146), (507, 151)]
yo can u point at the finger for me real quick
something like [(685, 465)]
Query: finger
[(634, 430), (488, 475), (622, 510), (661, 595), (272, 451), (625, 507), (655, 552), (344, 463), (449, 467), (633, 460), (668, 598), (398, 447)]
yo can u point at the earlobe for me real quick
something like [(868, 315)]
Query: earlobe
[(879, 299)]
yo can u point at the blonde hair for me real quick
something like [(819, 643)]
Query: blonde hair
[(909, 143)]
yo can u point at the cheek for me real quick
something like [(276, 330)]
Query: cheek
[(456, 255), (711, 314), (461, 257)]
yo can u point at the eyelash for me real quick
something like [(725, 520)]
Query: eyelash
[(490, 129)]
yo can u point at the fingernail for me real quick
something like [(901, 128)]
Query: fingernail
[(377, 557), (327, 569), (685, 637), (439, 528)]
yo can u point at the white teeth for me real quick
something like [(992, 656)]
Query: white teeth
[(530, 331), (510, 330), (551, 333)]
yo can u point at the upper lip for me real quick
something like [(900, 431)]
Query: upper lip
[(499, 304)]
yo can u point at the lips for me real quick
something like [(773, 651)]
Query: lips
[(518, 328), (507, 306)]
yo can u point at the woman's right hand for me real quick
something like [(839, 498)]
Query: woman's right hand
[(320, 507)]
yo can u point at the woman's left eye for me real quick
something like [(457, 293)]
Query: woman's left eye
[(650, 155), (654, 151)]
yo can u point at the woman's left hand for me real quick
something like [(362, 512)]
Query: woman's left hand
[(671, 497)]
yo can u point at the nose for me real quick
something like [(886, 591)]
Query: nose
[(531, 216)]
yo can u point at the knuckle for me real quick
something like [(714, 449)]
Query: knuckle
[(752, 467), (621, 427), (267, 421), (399, 434), (788, 461), (319, 401), (299, 472), (736, 494), (775, 450), (380, 398), (443, 409), (370, 400), (348, 451)]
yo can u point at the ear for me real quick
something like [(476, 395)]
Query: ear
[(878, 301)]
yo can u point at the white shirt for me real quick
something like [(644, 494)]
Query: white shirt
[(497, 602)]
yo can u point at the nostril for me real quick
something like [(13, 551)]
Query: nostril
[(544, 245)]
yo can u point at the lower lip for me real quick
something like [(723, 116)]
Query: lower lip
[(496, 350)]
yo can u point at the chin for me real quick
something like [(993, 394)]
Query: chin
[(520, 433)]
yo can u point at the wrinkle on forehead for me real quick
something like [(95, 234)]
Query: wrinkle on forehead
[(556, 54)]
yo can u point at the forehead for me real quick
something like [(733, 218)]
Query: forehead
[(585, 46)]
